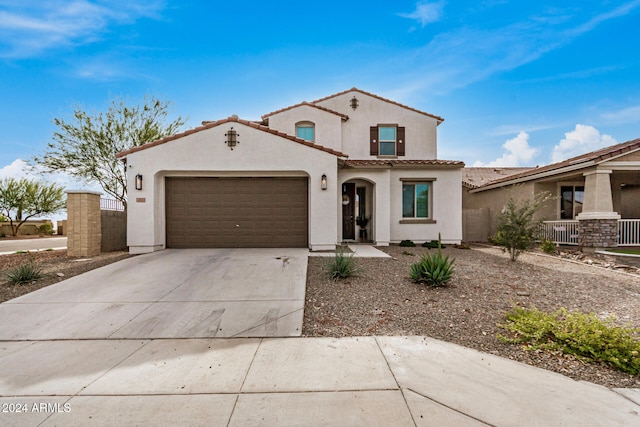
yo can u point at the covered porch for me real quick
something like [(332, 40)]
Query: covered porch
[(598, 208)]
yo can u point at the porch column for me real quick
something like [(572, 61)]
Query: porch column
[(598, 223)]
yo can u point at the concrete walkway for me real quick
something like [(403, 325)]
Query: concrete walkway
[(362, 381), (358, 250), (187, 293)]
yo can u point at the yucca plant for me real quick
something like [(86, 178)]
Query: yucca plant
[(341, 266), (24, 273), (434, 270)]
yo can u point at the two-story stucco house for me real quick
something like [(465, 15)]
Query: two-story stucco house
[(309, 175)]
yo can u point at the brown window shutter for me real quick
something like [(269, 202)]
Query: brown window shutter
[(373, 140), (401, 142)]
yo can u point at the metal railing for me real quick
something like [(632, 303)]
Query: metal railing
[(111, 205), (629, 232), (564, 232)]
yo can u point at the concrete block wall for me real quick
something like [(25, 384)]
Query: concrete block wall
[(84, 233), (114, 231)]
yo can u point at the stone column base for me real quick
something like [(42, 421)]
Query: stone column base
[(598, 233)]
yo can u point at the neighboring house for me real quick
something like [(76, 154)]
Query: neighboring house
[(302, 177), (597, 196), (476, 221)]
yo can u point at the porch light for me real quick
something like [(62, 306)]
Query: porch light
[(232, 138), (323, 182), (354, 102), (138, 182)]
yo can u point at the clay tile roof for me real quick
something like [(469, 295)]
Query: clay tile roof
[(475, 177), (401, 163), (584, 160), (209, 125), (355, 89), (308, 104)]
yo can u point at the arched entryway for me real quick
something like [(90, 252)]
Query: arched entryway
[(358, 211)]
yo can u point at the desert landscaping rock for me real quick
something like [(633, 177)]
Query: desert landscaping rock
[(55, 265), (383, 300)]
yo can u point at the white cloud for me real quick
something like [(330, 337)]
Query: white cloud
[(518, 153), (21, 169), (30, 27), (425, 12), (582, 139), (17, 169), (626, 115)]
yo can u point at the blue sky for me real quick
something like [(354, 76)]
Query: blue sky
[(518, 83)]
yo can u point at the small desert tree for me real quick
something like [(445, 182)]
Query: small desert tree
[(86, 145), (517, 230), (23, 199)]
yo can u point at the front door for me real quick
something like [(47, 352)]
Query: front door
[(348, 211)]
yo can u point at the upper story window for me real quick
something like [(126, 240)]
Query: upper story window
[(306, 131), (387, 140)]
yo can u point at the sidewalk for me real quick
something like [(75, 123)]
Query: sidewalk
[(367, 381)]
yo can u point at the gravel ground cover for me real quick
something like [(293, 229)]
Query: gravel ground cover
[(55, 265), (382, 300)]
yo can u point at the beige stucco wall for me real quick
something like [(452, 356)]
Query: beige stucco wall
[(625, 191), (421, 130), (327, 125), (205, 154), (387, 186), (495, 200)]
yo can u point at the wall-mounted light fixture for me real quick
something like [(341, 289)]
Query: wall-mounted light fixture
[(323, 182), (354, 102), (138, 182), (232, 138)]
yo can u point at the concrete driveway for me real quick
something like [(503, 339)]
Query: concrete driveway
[(188, 293)]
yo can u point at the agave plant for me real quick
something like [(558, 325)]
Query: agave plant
[(434, 270)]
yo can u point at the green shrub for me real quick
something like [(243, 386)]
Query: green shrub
[(586, 336), (433, 244), (517, 230), (46, 229), (341, 266), (548, 246), (24, 273), (433, 270), (407, 243)]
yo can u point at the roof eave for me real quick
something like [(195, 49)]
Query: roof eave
[(544, 174)]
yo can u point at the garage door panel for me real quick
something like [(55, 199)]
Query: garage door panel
[(236, 212)]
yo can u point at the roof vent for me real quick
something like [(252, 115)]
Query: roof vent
[(234, 117)]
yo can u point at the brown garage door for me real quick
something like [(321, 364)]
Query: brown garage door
[(236, 212)]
